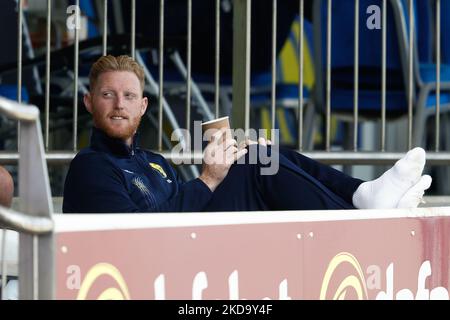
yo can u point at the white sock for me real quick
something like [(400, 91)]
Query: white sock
[(386, 191), (413, 197)]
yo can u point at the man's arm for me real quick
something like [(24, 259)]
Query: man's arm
[(192, 196), (218, 157)]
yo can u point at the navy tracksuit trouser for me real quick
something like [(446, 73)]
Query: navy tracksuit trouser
[(300, 184)]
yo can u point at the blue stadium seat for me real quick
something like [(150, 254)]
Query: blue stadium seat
[(425, 62), (287, 91), (370, 59), (10, 92), (88, 9)]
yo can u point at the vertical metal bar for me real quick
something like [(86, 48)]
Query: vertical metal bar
[(274, 62), (172, 120), (47, 72), (19, 61), (161, 73), (118, 16), (241, 64), (29, 53), (133, 28), (19, 51), (4, 266), (188, 76), (75, 74), (328, 92), (438, 72), (35, 195), (248, 64), (356, 78), (217, 71), (105, 27), (410, 72), (35, 268), (383, 77), (300, 77), (203, 106)]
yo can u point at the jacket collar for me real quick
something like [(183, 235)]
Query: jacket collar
[(102, 142)]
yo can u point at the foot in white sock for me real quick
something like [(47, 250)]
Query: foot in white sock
[(413, 196), (386, 191)]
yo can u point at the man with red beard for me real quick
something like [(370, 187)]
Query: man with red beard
[(114, 175)]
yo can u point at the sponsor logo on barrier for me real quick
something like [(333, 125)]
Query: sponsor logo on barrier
[(199, 284), (357, 283), (422, 293), (353, 283), (111, 293)]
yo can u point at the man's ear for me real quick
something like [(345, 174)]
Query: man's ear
[(144, 105), (88, 101)]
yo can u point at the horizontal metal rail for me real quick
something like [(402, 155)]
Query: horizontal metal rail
[(34, 222), (18, 111), (11, 219), (373, 158), (11, 158), (342, 157)]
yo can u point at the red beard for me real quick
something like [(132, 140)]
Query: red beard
[(123, 132)]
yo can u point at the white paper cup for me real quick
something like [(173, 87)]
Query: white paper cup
[(209, 128)]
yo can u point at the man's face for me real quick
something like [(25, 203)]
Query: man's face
[(116, 104)]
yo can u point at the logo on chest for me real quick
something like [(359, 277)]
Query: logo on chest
[(139, 183), (160, 170)]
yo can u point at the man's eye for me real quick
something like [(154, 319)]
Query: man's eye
[(107, 94), (130, 95)]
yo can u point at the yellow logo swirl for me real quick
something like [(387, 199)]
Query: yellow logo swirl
[(158, 168), (109, 293), (358, 283)]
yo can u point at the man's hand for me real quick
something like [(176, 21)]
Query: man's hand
[(262, 141), (218, 157)]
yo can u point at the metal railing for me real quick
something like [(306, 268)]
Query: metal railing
[(34, 221), (241, 90)]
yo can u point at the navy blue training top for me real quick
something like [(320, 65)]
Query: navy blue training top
[(111, 177)]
